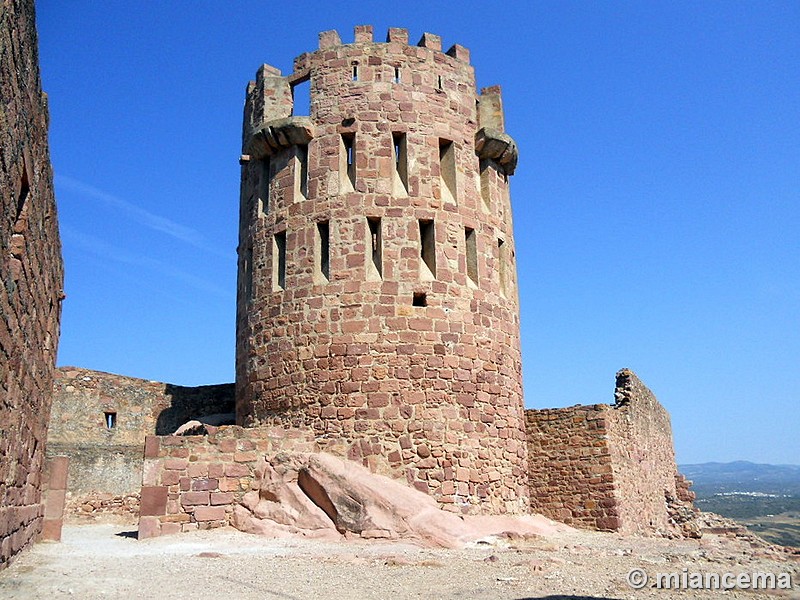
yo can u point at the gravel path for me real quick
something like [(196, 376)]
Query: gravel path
[(106, 561)]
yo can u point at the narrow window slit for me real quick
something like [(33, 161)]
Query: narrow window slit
[(400, 151), (485, 177), (323, 250), (439, 83), (427, 249), (503, 258), (472, 254), (248, 275), (447, 170), (396, 75), (302, 170), (24, 191), (355, 72), (347, 163), (110, 419), (279, 261), (265, 179), (374, 249)]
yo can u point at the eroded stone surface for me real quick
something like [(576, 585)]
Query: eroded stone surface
[(323, 495), (31, 289)]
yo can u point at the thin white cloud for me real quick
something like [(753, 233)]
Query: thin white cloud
[(107, 251), (143, 217)]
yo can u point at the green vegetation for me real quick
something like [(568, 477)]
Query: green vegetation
[(781, 529)]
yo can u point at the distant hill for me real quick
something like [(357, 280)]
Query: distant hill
[(764, 497), (742, 476)]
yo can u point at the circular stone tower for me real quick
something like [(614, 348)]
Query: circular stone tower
[(377, 297)]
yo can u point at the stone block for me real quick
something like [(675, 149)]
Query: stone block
[(194, 498), (58, 468), (51, 530), (149, 527), (153, 501), (152, 446), (54, 504), (210, 513)]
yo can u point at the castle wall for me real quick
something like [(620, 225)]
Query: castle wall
[(608, 467), (195, 482), (365, 311), (642, 457), (571, 471), (32, 280), (106, 456)]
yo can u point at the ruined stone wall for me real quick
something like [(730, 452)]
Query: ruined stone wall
[(377, 299), (32, 280), (106, 455), (608, 467), (642, 457), (571, 477), (195, 482)]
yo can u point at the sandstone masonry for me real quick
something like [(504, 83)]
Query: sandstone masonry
[(100, 421), (377, 298), (609, 467), (32, 280)]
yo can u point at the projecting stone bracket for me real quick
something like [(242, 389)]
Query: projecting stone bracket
[(273, 136), (500, 147)]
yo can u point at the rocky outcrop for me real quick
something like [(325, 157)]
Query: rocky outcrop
[(321, 495)]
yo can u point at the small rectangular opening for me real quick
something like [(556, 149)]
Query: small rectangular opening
[(400, 155), (472, 254), (396, 78), (323, 250), (374, 248), (279, 261), (265, 178), (355, 72), (439, 83), (302, 170), (447, 170), (419, 299), (301, 98), (427, 248), (110, 419)]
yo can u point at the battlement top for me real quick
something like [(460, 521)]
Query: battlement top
[(363, 34)]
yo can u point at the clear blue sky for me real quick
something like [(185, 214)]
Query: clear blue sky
[(656, 203)]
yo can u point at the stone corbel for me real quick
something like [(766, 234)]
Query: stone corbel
[(493, 144), (273, 136)]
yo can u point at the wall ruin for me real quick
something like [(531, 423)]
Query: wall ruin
[(100, 420), (609, 467), (32, 280)]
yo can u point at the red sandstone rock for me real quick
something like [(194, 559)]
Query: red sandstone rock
[(321, 494)]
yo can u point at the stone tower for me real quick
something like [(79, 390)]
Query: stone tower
[(377, 296)]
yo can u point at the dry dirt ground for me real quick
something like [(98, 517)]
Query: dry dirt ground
[(106, 561)]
